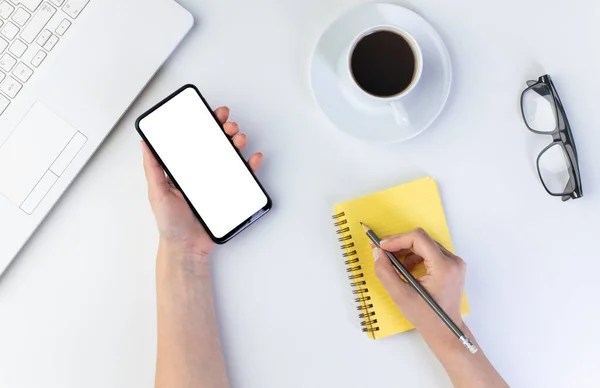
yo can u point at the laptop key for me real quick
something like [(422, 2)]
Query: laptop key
[(18, 48), (11, 87), (63, 27), (21, 17), (51, 43), (39, 58), (23, 72), (10, 30), (73, 8), (31, 5), (7, 62), (38, 22), (43, 38), (6, 9)]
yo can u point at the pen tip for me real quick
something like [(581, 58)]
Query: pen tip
[(365, 227)]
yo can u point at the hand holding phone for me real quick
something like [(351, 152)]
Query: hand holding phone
[(178, 225)]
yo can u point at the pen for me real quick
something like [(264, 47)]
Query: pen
[(423, 292)]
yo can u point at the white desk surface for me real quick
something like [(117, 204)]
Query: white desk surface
[(77, 308)]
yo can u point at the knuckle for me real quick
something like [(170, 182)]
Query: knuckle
[(458, 268), (420, 234), (458, 260), (420, 231)]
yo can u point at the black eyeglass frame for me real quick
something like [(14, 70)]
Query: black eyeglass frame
[(561, 136)]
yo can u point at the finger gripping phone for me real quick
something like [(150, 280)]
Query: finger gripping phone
[(190, 144)]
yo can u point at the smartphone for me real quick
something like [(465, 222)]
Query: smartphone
[(190, 144)]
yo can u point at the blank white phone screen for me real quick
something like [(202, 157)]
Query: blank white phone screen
[(198, 154)]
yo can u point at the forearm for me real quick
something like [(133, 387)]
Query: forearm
[(189, 350), (466, 370)]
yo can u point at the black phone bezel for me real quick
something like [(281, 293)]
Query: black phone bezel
[(245, 224)]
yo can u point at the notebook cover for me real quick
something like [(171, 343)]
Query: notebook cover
[(396, 210)]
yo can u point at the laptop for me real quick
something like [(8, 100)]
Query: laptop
[(68, 71)]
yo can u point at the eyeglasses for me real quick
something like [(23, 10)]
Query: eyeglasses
[(557, 164)]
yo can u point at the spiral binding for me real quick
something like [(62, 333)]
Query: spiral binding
[(353, 267)]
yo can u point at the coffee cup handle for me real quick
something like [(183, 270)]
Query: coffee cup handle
[(399, 113)]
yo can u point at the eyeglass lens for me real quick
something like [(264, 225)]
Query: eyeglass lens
[(554, 168), (538, 108)]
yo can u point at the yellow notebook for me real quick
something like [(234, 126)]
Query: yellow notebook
[(393, 211)]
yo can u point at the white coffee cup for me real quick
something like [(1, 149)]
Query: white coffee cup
[(394, 102)]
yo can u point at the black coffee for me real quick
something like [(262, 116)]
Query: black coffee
[(383, 63)]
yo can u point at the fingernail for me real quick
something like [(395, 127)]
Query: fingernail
[(384, 241), (375, 254)]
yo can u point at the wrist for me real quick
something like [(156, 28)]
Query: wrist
[(172, 257), (194, 247), (439, 335)]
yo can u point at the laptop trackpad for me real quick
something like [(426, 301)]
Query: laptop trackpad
[(35, 155)]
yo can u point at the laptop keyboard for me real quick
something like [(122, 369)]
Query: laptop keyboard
[(29, 31)]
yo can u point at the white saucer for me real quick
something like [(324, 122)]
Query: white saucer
[(423, 104)]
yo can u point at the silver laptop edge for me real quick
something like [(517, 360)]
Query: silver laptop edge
[(69, 69)]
